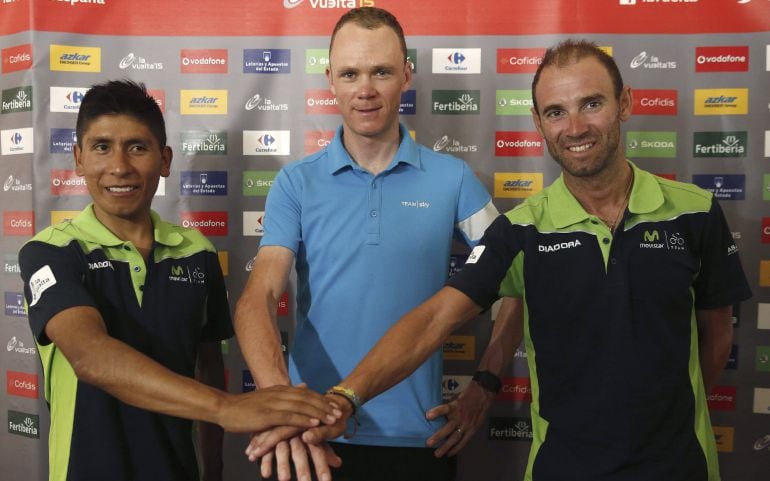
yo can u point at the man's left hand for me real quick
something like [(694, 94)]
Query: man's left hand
[(464, 416)]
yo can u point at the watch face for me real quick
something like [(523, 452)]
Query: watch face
[(488, 381)]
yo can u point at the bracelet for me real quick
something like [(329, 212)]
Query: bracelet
[(355, 402), (488, 381)]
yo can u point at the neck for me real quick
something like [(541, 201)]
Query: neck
[(375, 153), (138, 232), (604, 195)]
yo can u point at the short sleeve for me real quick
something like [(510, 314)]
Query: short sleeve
[(475, 210), (218, 324), (283, 211)]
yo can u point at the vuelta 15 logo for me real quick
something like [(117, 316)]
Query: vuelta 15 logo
[(347, 4)]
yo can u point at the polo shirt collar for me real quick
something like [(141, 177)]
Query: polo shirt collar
[(339, 158), (95, 231), (645, 197)]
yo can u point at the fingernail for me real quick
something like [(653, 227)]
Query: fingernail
[(337, 413), (326, 477), (331, 419)]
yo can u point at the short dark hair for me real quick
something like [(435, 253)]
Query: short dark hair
[(570, 51), (370, 18), (121, 97)]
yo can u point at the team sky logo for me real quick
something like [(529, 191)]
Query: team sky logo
[(673, 241), (183, 274), (647, 61)]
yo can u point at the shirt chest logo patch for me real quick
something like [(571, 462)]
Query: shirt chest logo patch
[(559, 246), (651, 239), (180, 273), (416, 204)]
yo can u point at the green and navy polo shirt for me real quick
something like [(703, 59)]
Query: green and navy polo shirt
[(163, 308), (610, 326)]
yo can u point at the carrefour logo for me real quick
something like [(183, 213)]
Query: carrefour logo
[(721, 101), (262, 142), (16, 141), (457, 61), (66, 99)]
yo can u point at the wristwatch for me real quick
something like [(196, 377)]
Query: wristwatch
[(488, 381)]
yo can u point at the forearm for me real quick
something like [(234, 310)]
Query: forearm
[(507, 333), (715, 338), (410, 342), (210, 371)]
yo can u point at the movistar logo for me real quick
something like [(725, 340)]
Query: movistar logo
[(177, 271), (651, 236)]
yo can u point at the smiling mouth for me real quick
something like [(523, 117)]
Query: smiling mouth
[(580, 148), (121, 189)]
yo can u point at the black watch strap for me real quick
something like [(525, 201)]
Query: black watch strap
[(488, 381)]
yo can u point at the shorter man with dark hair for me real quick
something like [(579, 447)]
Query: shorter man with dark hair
[(124, 305)]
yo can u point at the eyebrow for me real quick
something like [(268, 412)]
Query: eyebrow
[(109, 140), (582, 101)]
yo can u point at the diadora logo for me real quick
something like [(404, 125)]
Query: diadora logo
[(203, 60), (515, 389), (517, 185), (258, 182), (264, 104), (655, 102), (181, 273), (510, 429), (70, 58), (460, 348), (316, 140), (209, 223), (519, 60), (518, 144), (558, 246), (253, 223), (18, 99), (319, 101), (67, 99), (346, 4), (97, 265), (16, 141), (651, 144), (17, 58), (513, 102), (203, 102), (722, 398), (316, 60), (722, 59), (21, 384), (452, 385), (721, 101), (720, 144), (204, 142), (457, 61), (671, 241), (453, 146), (67, 182), (14, 304), (24, 424), (456, 102), (62, 141), (267, 61), (211, 182), (408, 105), (135, 62), (18, 223), (724, 187), (646, 60), (262, 142)]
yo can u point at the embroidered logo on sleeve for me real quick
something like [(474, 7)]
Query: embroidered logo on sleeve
[(39, 282), (475, 254)]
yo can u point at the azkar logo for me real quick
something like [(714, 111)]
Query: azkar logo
[(721, 101), (179, 273), (517, 185), (460, 348), (346, 4), (70, 58), (724, 437), (651, 239), (203, 102)]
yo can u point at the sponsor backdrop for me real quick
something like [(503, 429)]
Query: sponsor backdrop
[(243, 90)]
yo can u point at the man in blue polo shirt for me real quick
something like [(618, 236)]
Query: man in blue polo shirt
[(369, 222), (627, 282), (126, 307)]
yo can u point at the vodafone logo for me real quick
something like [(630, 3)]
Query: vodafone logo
[(519, 60), (722, 398), (203, 60), (655, 102), (722, 59), (209, 223), (319, 101), (21, 384), (518, 144), (766, 230), (67, 182)]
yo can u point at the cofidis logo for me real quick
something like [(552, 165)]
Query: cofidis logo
[(209, 223), (203, 102), (316, 140), (519, 60), (514, 185), (518, 144), (655, 102), (19, 223), (17, 58), (22, 384), (721, 101), (72, 58), (722, 59), (212, 60), (515, 389)]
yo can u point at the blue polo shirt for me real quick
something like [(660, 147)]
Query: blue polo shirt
[(369, 249), (610, 327)]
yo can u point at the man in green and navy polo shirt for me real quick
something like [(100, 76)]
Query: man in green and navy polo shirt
[(627, 282), (123, 305)]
